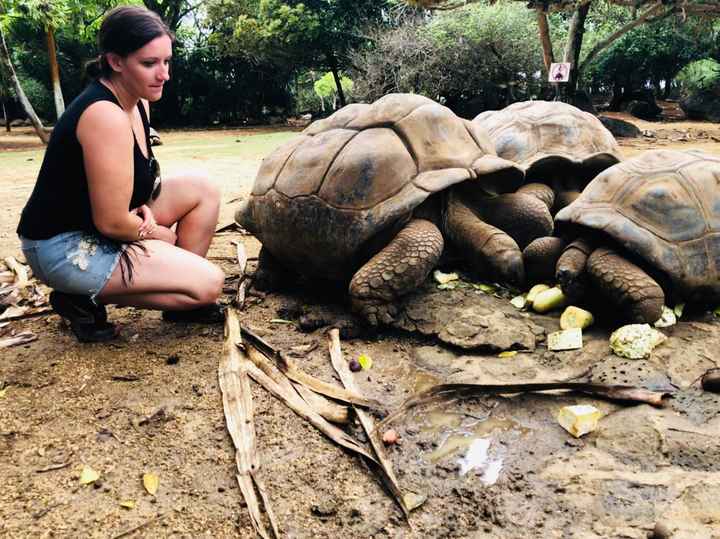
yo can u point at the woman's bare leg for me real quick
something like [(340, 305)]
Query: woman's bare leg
[(193, 203), (166, 277)]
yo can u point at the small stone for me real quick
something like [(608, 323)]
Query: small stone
[(325, 508), (354, 365), (390, 437), (172, 359)]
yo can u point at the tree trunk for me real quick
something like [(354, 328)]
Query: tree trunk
[(336, 76), (27, 107), (545, 38), (7, 122), (54, 73), (573, 47)]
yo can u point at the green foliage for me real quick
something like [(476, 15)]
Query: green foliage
[(700, 76), (649, 53), (473, 58), (39, 96), (312, 34), (325, 86)]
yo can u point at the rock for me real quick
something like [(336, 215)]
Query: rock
[(466, 319), (703, 105), (495, 332), (620, 128), (644, 110), (325, 508)]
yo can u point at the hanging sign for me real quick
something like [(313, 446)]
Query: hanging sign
[(559, 72)]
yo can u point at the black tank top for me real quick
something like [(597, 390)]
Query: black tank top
[(60, 201)]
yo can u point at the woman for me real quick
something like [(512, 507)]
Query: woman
[(98, 227)]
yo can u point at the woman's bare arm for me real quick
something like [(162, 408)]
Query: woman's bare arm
[(106, 137)]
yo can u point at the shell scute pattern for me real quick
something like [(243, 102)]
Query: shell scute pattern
[(319, 199), (663, 205), (531, 131)]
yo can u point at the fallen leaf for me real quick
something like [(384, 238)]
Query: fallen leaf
[(365, 361), (508, 353), (447, 286), (151, 482), (2, 393), (518, 302), (13, 311), (444, 278), (488, 289), (413, 501), (88, 475), (281, 321), (128, 504)]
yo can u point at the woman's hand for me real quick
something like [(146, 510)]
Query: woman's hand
[(148, 225), (162, 233)]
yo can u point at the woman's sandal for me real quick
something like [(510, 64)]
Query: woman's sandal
[(207, 314), (87, 321)]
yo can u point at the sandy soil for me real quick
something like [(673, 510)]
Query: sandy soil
[(150, 402)]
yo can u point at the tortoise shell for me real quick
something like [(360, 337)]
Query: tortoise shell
[(663, 205), (551, 139), (319, 199)]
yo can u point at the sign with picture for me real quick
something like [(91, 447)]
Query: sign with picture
[(559, 72)]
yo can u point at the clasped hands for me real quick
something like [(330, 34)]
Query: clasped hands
[(149, 228)]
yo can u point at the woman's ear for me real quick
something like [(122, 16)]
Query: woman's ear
[(115, 61)]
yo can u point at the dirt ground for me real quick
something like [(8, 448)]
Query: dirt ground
[(150, 402)]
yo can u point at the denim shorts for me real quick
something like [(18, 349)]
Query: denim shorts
[(74, 262)]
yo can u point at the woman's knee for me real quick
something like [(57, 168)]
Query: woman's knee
[(206, 189), (211, 285)]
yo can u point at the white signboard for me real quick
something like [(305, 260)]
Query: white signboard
[(559, 72)]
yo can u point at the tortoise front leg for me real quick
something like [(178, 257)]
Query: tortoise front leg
[(627, 285), (397, 269), (488, 249), (570, 268)]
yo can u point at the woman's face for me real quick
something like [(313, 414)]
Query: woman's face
[(146, 70)]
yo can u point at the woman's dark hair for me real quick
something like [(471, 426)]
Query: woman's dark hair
[(124, 30)]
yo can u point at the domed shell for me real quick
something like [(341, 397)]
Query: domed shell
[(318, 199), (663, 205), (551, 139)]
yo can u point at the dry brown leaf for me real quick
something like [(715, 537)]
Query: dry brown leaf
[(13, 312), (294, 373), (330, 410), (243, 282), (238, 408), (348, 380), (276, 383), (20, 271), (21, 338)]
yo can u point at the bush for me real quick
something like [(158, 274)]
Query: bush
[(40, 97), (700, 76), (472, 59)]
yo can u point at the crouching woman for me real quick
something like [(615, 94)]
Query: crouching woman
[(101, 226)]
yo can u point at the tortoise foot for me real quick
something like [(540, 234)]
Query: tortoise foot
[(397, 269)]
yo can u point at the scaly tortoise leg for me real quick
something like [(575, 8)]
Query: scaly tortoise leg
[(489, 250), (570, 269), (400, 267), (627, 285)]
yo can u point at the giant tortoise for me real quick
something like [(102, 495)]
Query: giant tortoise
[(647, 227), (556, 143), (368, 194)]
